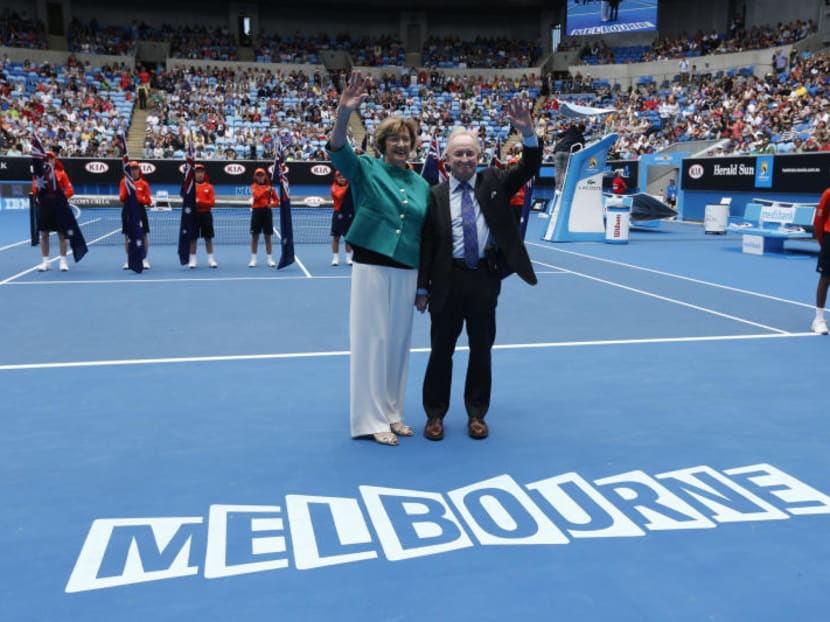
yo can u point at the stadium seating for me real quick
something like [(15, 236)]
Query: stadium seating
[(790, 115)]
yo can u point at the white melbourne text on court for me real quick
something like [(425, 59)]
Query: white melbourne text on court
[(325, 531)]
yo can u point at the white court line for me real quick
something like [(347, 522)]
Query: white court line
[(141, 279), (25, 272), (22, 242), (105, 236), (13, 245), (54, 259), (676, 276), (296, 259), (337, 353), (14, 277), (667, 299)]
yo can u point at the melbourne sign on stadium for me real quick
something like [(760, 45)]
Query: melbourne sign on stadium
[(324, 531)]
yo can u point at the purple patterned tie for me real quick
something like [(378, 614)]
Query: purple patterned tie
[(468, 224)]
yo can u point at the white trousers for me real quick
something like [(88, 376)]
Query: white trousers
[(380, 333)]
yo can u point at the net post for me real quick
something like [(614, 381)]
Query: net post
[(33, 219)]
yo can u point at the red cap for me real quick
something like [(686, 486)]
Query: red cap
[(134, 164), (199, 167), (260, 170)]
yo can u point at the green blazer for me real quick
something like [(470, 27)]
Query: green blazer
[(389, 205)]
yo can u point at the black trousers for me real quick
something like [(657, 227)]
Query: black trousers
[(471, 302)]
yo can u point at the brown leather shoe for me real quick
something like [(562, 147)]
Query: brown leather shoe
[(477, 428), (434, 429)]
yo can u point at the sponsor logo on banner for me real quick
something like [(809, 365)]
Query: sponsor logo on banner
[(763, 171), (696, 171), (234, 169), (589, 184), (147, 168), (92, 200), (801, 170), (777, 213), (305, 532), (732, 170), (752, 244), (96, 167), (588, 191), (8, 203), (15, 189), (314, 201), (320, 170)]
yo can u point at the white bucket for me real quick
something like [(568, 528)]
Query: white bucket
[(715, 218), (617, 221)]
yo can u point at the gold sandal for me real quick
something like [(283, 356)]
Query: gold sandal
[(401, 429), (385, 438)]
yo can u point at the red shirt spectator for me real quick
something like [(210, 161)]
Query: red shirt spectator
[(618, 186)]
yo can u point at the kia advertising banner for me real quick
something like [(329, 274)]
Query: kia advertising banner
[(84, 171), (805, 173)]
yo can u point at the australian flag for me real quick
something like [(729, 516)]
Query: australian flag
[(279, 177), (135, 230), (496, 159), (187, 228), (50, 196), (433, 169)]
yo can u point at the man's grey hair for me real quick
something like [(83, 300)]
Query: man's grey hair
[(463, 131)]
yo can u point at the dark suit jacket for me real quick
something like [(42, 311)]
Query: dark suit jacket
[(568, 139), (493, 190)]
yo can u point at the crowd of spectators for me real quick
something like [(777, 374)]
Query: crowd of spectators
[(93, 38), (440, 101), (217, 43), (781, 112), (737, 39), (21, 32), (480, 53), (198, 42), (239, 114), (377, 51), (194, 42), (298, 48), (236, 114), (78, 107)]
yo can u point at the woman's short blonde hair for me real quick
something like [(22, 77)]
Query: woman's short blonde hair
[(392, 126)]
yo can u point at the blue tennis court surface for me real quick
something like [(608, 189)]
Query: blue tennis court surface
[(633, 16), (175, 444)]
